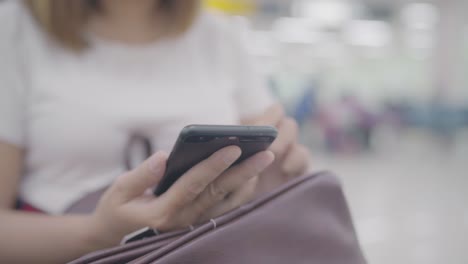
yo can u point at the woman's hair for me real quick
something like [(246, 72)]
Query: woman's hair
[(65, 20)]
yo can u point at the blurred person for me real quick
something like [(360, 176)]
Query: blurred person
[(86, 86), (364, 121), (347, 125)]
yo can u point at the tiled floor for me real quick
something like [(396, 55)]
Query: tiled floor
[(409, 200)]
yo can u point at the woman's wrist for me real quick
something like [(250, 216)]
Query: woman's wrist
[(94, 235)]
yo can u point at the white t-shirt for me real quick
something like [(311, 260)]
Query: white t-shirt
[(75, 113)]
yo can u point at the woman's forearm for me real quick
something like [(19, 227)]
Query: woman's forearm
[(35, 238)]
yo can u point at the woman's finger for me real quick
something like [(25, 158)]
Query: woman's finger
[(232, 180), (194, 181), (241, 196), (287, 135), (271, 117), (136, 182), (296, 161)]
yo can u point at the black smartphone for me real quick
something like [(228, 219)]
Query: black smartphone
[(197, 142)]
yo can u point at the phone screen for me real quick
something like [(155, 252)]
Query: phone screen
[(198, 142)]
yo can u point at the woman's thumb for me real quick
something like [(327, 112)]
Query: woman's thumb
[(147, 175)]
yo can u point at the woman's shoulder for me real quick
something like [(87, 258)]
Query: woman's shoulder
[(10, 13), (14, 19), (19, 33), (9, 8)]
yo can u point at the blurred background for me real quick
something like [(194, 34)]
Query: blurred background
[(380, 90)]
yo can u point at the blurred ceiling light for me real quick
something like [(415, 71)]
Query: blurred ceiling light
[(368, 33), (420, 16), (325, 12), (419, 34), (295, 30)]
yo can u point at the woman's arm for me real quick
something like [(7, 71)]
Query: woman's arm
[(35, 238), (205, 191)]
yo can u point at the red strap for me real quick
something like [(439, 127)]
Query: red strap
[(29, 208)]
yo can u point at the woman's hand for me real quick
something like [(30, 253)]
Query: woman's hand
[(291, 158), (206, 191)]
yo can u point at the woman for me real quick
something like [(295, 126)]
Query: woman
[(81, 81)]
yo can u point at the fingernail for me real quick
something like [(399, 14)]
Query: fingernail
[(263, 162), (231, 156), (155, 163)]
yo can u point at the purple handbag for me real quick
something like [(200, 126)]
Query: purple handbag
[(304, 221)]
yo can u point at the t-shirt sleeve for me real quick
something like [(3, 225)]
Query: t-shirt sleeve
[(252, 94), (12, 107)]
